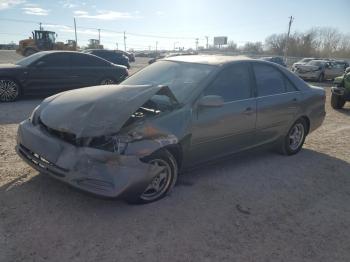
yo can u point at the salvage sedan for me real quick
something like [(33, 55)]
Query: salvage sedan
[(50, 72), (132, 140)]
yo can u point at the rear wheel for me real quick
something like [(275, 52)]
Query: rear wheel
[(163, 182), (294, 140), (9, 90), (337, 102)]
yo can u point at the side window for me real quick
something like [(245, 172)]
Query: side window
[(56, 60), (233, 83), (269, 81), (289, 86), (87, 61)]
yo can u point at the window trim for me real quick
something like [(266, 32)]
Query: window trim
[(50, 56)]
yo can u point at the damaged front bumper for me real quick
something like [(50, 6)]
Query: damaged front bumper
[(93, 170)]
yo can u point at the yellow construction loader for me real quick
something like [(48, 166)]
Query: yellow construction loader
[(43, 40)]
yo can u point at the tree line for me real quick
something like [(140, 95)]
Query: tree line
[(324, 42)]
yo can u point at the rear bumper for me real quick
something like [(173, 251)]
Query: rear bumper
[(95, 171)]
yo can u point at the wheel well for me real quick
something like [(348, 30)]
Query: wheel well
[(176, 151), (307, 121)]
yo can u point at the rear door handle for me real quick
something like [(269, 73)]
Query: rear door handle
[(294, 100)]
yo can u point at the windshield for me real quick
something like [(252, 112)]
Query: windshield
[(181, 78), (30, 59)]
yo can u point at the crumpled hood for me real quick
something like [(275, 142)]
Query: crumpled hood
[(97, 110)]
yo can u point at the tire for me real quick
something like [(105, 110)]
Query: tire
[(108, 81), (162, 184), (291, 146), (337, 102), (320, 78), (9, 90)]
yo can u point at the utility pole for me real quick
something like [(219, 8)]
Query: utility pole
[(117, 45), (207, 38), (197, 43), (156, 46), (124, 42), (99, 36), (40, 27), (75, 32), (291, 19)]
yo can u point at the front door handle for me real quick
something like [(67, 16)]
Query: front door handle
[(248, 111)]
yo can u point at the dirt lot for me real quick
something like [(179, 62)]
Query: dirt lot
[(255, 206)]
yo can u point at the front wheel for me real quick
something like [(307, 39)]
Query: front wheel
[(163, 182), (337, 102), (294, 140), (9, 90)]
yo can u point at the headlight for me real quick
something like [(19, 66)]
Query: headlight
[(32, 117), (117, 144)]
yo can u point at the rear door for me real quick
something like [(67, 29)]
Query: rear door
[(89, 70), (277, 102), (50, 74), (222, 130)]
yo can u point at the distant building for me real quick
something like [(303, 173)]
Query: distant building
[(10, 46)]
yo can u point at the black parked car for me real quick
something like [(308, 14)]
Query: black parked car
[(275, 59), (111, 56), (50, 72)]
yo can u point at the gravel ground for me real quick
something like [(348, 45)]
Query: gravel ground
[(254, 206)]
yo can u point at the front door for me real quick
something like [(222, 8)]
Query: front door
[(49, 75), (219, 131)]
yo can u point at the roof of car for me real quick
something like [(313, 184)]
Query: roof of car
[(207, 59)]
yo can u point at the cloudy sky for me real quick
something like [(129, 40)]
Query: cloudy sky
[(177, 22)]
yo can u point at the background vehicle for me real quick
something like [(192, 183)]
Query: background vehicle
[(302, 62), (49, 72), (129, 55), (341, 92), (275, 59), (319, 70), (94, 44), (111, 56), (171, 115), (342, 63), (42, 41)]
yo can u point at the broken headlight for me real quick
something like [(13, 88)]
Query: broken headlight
[(116, 144)]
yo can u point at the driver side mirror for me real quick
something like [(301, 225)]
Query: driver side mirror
[(211, 101)]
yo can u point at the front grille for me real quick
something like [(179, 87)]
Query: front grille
[(40, 161)]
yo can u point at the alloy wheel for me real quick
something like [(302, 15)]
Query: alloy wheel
[(159, 183), (9, 90), (296, 136)]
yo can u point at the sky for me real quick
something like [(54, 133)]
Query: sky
[(167, 24)]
